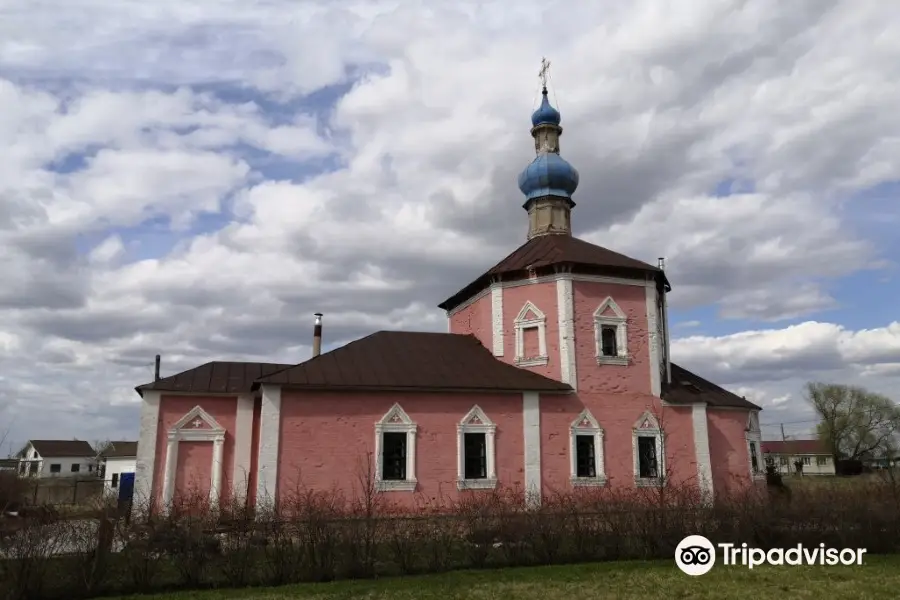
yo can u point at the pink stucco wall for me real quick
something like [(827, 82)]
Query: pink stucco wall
[(192, 475), (171, 409), (611, 379), (617, 395), (728, 449), (475, 319), (542, 296), (328, 439), (617, 416)]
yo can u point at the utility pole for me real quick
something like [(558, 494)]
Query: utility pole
[(782, 433)]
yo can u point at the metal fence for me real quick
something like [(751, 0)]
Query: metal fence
[(63, 491)]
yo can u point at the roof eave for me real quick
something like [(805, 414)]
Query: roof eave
[(436, 390), (484, 281)]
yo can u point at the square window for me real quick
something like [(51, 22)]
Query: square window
[(585, 458), (475, 458), (76, 468), (806, 460), (783, 461), (53, 468), (647, 459), (821, 461), (393, 458)]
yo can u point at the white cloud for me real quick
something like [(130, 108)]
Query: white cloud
[(163, 111)]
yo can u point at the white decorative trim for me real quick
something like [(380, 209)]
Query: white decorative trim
[(181, 432), (243, 447), (476, 421), (269, 439), (654, 341), (641, 282), (469, 302), (531, 422), (648, 426), (524, 321), (145, 461), (754, 438), (665, 332), (565, 303), (701, 452), (619, 321), (586, 424), (396, 420), (497, 318)]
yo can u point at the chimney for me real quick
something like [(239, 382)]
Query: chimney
[(661, 263), (317, 336), (156, 369)]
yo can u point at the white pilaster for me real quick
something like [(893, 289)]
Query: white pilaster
[(653, 339), (497, 318), (269, 434), (243, 446), (531, 421), (565, 304), (215, 485), (171, 464), (145, 462), (701, 450)]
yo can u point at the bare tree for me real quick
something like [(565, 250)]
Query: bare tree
[(854, 421)]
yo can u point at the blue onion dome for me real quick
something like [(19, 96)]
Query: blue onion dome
[(548, 175), (545, 114)]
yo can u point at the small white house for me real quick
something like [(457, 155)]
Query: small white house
[(811, 454), (56, 458), (115, 459)]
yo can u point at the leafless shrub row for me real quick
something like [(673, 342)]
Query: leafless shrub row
[(326, 535)]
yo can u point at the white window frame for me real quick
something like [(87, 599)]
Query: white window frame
[(180, 432), (524, 321), (620, 322), (754, 438), (648, 426), (476, 421), (586, 424), (396, 421)]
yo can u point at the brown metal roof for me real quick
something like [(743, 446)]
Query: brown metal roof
[(795, 447), (60, 448), (119, 450), (401, 360), (547, 250), (214, 378), (688, 388)]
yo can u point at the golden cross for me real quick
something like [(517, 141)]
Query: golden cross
[(545, 66)]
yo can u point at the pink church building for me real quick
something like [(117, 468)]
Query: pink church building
[(554, 374)]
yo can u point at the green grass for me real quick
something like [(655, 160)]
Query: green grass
[(879, 577)]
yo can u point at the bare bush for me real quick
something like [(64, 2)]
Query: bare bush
[(319, 535)]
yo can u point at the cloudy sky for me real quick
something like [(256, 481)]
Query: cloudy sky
[(196, 179)]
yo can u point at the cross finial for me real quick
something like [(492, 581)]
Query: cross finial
[(197, 423), (545, 66)]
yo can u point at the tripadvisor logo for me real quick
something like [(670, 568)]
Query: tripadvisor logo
[(696, 555)]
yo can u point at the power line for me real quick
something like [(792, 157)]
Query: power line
[(789, 423)]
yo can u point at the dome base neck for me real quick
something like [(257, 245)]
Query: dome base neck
[(549, 215)]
